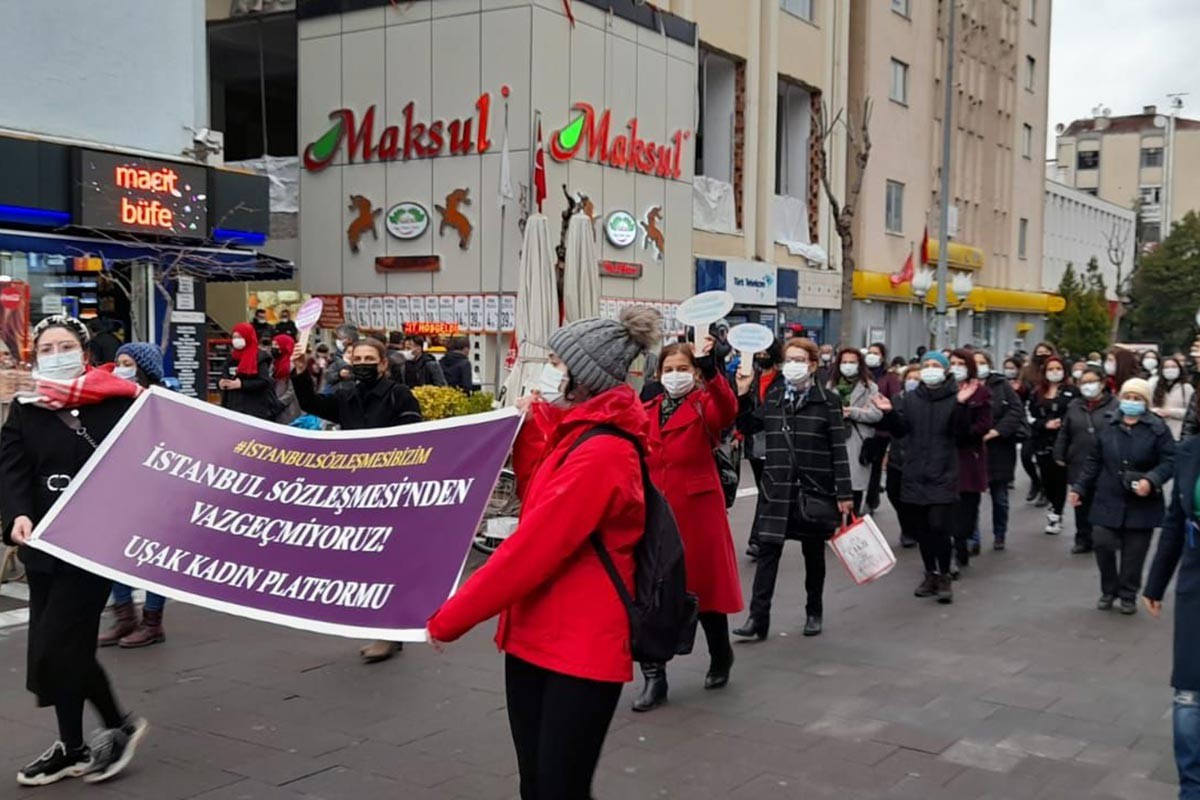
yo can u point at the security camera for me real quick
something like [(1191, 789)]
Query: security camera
[(200, 135)]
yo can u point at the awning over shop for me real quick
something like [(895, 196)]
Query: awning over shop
[(214, 264), (878, 286), (958, 255)]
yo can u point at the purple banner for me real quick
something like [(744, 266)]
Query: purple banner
[(352, 533)]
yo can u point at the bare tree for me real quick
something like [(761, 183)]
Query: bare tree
[(1117, 244), (858, 147)]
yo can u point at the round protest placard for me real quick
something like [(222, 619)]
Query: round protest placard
[(701, 309), (309, 313), (750, 338)]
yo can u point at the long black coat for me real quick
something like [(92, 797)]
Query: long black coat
[(1008, 420), (1043, 410), (39, 455), (933, 421), (457, 369), (815, 462), (1077, 436), (384, 405), (257, 396), (1179, 546), (1146, 449)]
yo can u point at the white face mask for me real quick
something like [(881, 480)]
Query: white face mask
[(795, 371), (826, 358), (678, 384), (1091, 390), (983, 371), (1171, 373), (126, 373), (1110, 368), (874, 360), (1150, 364), (849, 369), (408, 355), (1054, 377), (550, 383), (959, 372), (932, 376), (239, 343), (60, 366), (1010, 373), (1076, 374)]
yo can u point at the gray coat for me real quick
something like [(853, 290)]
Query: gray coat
[(860, 426)]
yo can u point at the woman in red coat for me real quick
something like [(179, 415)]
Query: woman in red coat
[(563, 627), (686, 421)]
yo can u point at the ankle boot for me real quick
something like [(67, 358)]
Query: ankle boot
[(124, 623), (148, 633), (928, 587), (945, 590), (720, 662), (755, 628), (654, 692)]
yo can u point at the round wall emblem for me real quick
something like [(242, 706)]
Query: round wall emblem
[(407, 220), (620, 228)]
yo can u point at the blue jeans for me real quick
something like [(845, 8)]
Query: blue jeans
[(1187, 743), (999, 492), (123, 594)]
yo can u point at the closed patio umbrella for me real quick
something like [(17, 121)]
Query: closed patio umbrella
[(581, 276), (537, 309)]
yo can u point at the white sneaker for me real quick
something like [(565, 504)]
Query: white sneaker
[(1053, 524)]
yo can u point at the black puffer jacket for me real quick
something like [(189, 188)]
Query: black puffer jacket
[(1122, 452), (933, 421), (456, 367), (257, 396), (1077, 436), (1043, 410), (384, 405)]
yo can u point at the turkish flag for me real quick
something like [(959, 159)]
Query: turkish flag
[(539, 171), (905, 273), (510, 359), (925, 246)]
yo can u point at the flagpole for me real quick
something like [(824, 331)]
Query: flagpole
[(500, 279)]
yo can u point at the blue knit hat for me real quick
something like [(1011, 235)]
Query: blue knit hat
[(147, 356), (938, 356)]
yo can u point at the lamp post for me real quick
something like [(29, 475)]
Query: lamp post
[(942, 334)]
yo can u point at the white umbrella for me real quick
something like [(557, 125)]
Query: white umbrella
[(581, 278), (537, 308)]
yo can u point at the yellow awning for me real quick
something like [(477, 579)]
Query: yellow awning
[(878, 286), (958, 255)]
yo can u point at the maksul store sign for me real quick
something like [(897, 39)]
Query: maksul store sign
[(413, 137), (592, 135)]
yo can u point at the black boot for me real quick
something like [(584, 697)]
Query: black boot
[(654, 692), (928, 587), (720, 651), (755, 628), (813, 625)]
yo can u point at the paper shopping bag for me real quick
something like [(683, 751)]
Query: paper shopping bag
[(863, 550)]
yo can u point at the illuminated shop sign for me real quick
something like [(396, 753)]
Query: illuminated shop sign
[(125, 193), (628, 151)]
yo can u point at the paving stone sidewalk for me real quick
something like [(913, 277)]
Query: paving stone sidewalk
[(1020, 690)]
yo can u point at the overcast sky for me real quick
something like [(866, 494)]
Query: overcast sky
[(1123, 54)]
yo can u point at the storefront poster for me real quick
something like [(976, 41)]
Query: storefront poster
[(403, 314), (350, 310), (446, 308), (363, 310), (462, 311), (475, 306), (355, 533), (390, 321), (491, 313), (432, 307), (508, 313)]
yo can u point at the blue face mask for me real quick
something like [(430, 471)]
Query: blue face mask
[(1133, 408), (911, 385)]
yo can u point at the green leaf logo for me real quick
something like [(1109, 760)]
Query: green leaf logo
[(323, 148), (568, 137)]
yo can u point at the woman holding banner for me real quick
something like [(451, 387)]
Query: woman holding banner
[(563, 627), (48, 437), (376, 401), (686, 421)]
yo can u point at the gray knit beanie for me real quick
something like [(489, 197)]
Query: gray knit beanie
[(598, 352)]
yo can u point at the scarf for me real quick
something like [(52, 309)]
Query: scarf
[(283, 364), (845, 388), (91, 388), (669, 406), (247, 357)]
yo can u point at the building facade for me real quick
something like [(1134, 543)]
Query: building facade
[(1000, 81), (762, 225), (1150, 159), (1080, 227)]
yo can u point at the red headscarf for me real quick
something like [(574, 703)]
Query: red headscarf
[(92, 387), (283, 364), (247, 357)]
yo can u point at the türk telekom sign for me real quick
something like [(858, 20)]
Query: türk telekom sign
[(411, 139)]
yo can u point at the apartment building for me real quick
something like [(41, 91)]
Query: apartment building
[(1001, 68), (1149, 158), (762, 225), (1080, 227)]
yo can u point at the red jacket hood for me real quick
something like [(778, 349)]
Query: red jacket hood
[(619, 407)]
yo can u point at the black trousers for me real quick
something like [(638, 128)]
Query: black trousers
[(966, 517), (64, 620), (908, 516), (757, 465), (1083, 525), (1029, 462), (876, 480), (1054, 482), (767, 571), (558, 725), (934, 532), (1121, 577)]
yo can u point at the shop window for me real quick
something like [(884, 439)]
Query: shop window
[(1022, 236), (1087, 159), (798, 8), (793, 124), (894, 207), (253, 85), (1152, 156)]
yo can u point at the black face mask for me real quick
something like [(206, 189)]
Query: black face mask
[(365, 374), (276, 353), (764, 363)]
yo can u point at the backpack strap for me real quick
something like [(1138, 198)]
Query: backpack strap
[(597, 545)]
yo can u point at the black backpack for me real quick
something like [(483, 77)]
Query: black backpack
[(662, 614)]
